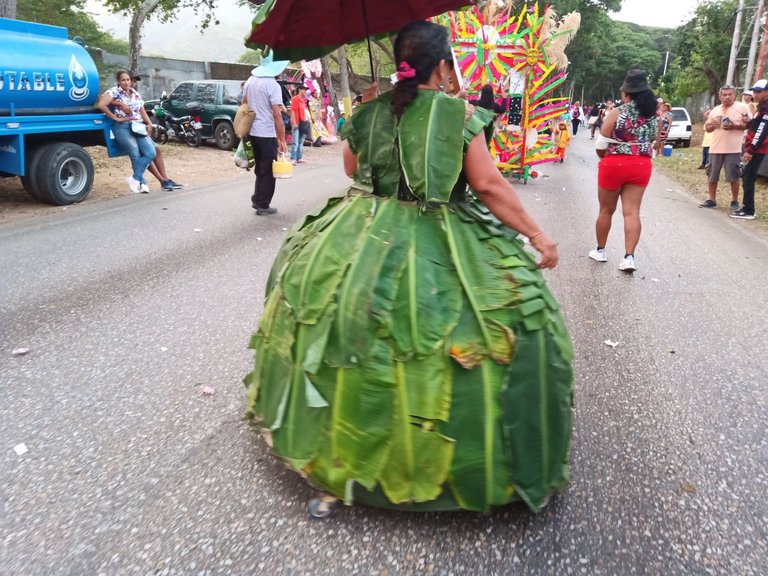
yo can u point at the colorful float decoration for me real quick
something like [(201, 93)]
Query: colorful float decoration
[(523, 56)]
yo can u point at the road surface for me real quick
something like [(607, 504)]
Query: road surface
[(132, 308)]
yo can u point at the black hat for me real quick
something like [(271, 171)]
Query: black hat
[(635, 81), (134, 76)]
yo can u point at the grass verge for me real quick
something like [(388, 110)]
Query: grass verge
[(683, 166)]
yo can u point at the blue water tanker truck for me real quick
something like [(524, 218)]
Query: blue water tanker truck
[(49, 86)]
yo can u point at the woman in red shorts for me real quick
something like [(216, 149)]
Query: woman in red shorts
[(625, 145)]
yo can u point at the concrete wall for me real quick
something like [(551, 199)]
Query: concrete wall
[(164, 74)]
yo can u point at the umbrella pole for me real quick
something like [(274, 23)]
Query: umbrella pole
[(368, 38)]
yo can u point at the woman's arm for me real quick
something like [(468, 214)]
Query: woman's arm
[(501, 199), (103, 104), (146, 118), (609, 123), (350, 161)]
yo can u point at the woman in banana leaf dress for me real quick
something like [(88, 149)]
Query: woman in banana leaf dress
[(410, 354)]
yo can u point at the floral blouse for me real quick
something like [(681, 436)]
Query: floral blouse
[(631, 127), (132, 98)]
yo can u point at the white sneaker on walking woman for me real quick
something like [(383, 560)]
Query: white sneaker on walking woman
[(627, 264)]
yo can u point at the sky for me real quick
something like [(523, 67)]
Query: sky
[(181, 39), (659, 13)]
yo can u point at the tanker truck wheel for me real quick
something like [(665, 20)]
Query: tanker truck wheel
[(29, 180), (63, 175)]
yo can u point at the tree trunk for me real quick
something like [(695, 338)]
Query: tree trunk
[(328, 81), (8, 9), (341, 54), (134, 33)]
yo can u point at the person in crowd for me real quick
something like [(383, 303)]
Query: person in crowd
[(340, 123), (748, 98), (727, 122), (401, 277), (625, 146), (242, 93), (299, 124), (706, 142), (157, 167), (487, 100), (267, 134), (756, 147), (127, 129), (665, 123), (595, 119), (563, 138), (575, 117)]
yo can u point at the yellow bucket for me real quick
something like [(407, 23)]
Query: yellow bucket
[(282, 167)]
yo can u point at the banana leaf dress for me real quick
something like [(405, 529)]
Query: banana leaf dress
[(409, 354)]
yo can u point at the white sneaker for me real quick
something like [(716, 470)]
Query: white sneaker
[(627, 264), (133, 184), (144, 189), (598, 255)]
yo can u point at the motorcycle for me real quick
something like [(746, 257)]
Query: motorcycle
[(182, 128)]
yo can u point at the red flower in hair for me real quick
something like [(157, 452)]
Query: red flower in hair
[(404, 71)]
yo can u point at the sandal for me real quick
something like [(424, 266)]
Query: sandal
[(322, 507)]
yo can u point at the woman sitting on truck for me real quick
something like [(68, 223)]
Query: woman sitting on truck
[(131, 129)]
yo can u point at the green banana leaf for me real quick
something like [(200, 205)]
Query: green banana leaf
[(319, 268), (479, 475), (371, 136), (429, 299), (367, 292), (537, 406), (420, 459), (274, 347), (431, 158)]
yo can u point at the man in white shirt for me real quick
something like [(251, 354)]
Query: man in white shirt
[(267, 134), (727, 122)]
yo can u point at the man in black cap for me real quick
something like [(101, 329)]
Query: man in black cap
[(756, 148)]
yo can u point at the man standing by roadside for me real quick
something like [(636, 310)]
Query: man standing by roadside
[(267, 134), (727, 122), (756, 148), (299, 124)]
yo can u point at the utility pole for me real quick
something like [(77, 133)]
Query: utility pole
[(748, 79), (666, 61), (763, 57), (735, 44)]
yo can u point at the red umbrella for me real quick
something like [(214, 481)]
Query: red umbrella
[(306, 29)]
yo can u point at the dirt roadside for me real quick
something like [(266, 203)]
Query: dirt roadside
[(193, 167)]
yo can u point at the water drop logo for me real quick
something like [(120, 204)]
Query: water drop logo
[(79, 80)]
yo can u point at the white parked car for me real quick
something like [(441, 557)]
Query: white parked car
[(680, 132)]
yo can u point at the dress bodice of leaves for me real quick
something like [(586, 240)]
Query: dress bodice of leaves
[(426, 147)]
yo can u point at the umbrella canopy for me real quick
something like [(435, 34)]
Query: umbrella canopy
[(307, 29)]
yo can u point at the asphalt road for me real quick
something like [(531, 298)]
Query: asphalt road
[(130, 308)]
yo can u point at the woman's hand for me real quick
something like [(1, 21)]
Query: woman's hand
[(547, 248)]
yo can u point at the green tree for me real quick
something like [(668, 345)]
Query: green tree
[(702, 48), (164, 11), (70, 14)]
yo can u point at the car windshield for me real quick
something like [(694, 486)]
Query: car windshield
[(230, 92), (679, 115)]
